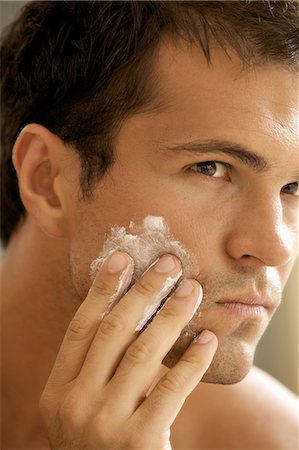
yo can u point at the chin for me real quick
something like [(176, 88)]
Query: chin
[(231, 363)]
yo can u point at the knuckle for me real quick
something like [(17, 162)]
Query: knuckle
[(79, 328), (71, 416), (168, 313), (172, 384), (191, 362), (102, 288), (138, 352), (144, 288), (111, 325), (195, 363)]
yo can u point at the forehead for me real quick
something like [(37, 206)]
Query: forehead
[(223, 100)]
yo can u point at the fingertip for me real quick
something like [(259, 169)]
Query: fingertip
[(204, 338), (118, 262)]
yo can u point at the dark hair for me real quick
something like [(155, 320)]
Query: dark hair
[(80, 68)]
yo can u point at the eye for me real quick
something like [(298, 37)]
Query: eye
[(213, 169), (291, 189)]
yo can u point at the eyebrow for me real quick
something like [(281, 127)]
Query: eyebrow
[(238, 152)]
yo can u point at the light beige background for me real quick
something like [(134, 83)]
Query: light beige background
[(277, 352)]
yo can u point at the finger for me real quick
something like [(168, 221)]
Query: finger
[(166, 400), (113, 277), (118, 329), (143, 358)]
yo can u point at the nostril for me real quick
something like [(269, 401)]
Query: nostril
[(251, 260)]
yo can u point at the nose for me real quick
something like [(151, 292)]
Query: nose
[(259, 235)]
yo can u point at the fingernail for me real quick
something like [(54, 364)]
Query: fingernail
[(117, 262), (199, 300), (165, 264), (204, 337), (185, 288)]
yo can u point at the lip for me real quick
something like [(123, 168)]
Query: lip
[(254, 306)]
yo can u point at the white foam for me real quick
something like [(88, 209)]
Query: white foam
[(123, 284), (145, 243)]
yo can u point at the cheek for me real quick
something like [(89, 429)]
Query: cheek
[(194, 221), (124, 198), (286, 271), (200, 229), (90, 222), (84, 246)]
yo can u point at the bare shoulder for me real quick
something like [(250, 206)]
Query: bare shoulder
[(274, 404), (266, 385), (263, 387), (275, 408), (257, 413)]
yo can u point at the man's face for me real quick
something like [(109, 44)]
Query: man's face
[(236, 211)]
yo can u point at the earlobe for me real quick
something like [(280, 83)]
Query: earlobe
[(37, 163)]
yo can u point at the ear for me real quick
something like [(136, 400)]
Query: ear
[(38, 157)]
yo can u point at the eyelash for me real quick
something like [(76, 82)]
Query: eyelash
[(227, 168), (295, 184), (213, 165)]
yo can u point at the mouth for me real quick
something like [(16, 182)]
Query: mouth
[(250, 306)]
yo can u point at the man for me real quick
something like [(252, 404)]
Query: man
[(113, 112)]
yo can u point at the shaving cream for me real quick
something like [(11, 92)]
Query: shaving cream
[(145, 242)]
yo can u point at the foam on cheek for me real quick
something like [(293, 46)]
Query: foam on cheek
[(145, 243)]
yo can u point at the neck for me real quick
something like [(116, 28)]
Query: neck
[(38, 302)]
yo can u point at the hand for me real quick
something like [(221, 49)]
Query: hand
[(96, 395)]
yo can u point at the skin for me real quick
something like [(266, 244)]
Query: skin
[(201, 104), (242, 227)]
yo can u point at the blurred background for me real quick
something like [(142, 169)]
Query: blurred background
[(277, 352)]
